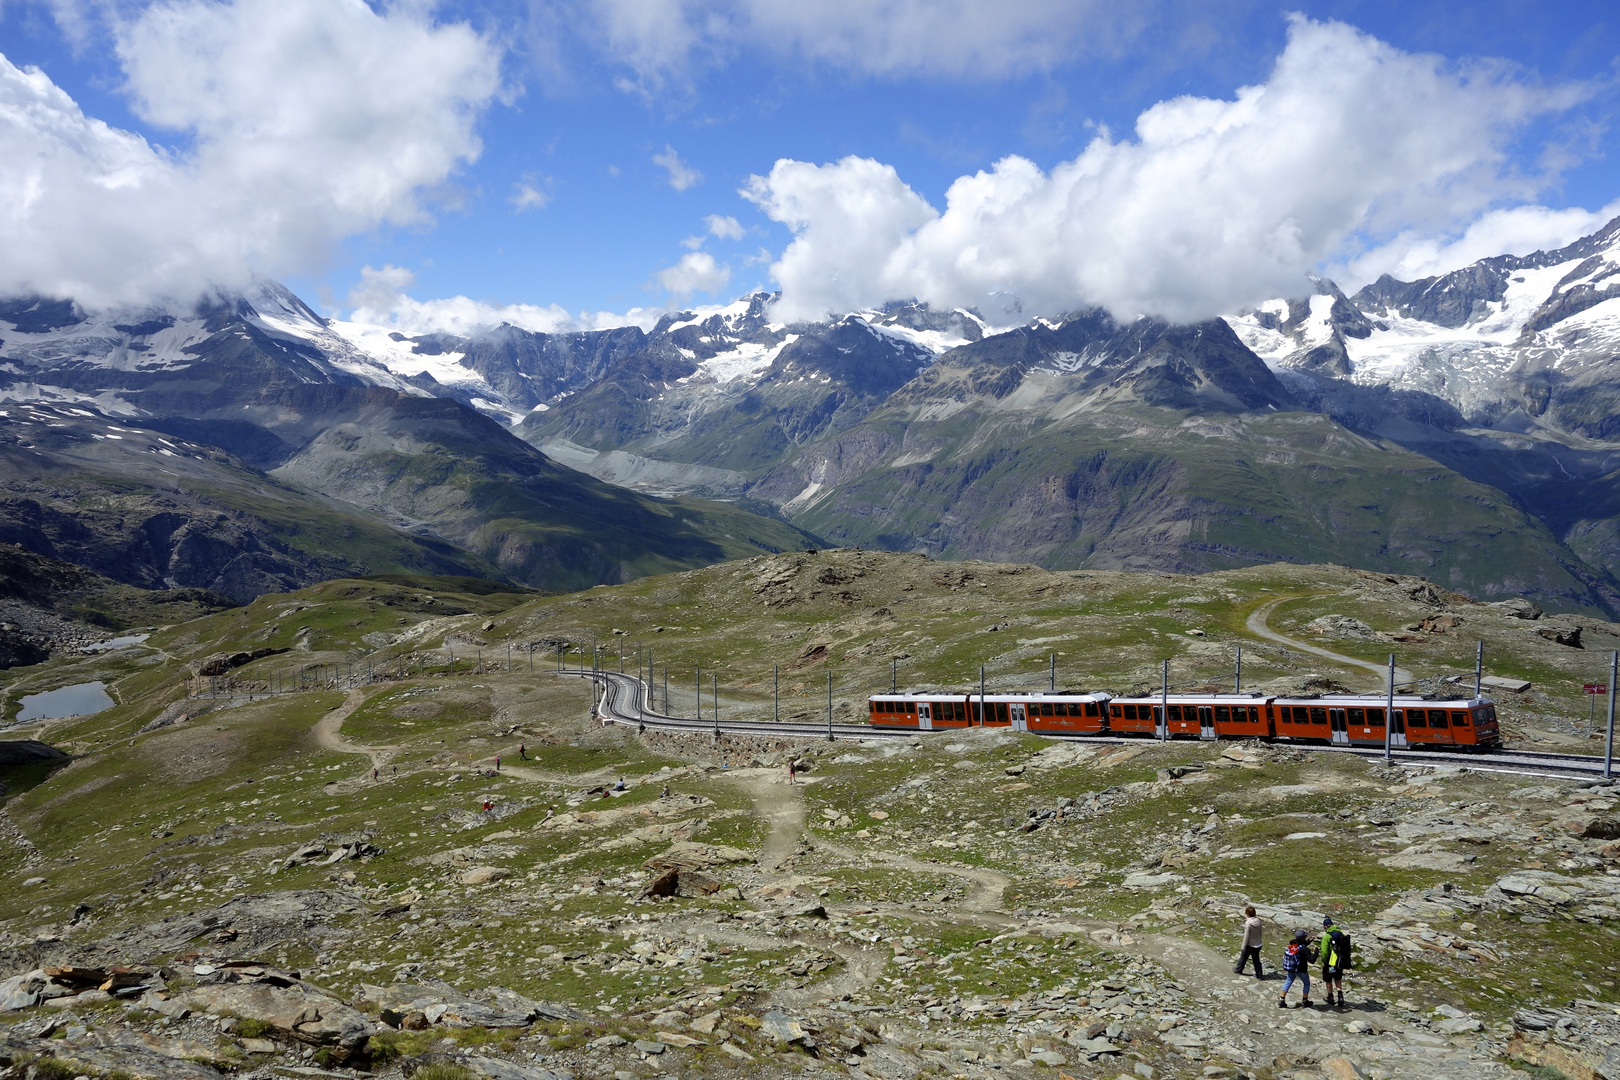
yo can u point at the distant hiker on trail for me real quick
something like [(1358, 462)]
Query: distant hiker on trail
[(1297, 959), (551, 812), (1335, 958), (665, 793), (374, 774), (497, 763), (621, 785), (523, 752), (1252, 929), (793, 773)]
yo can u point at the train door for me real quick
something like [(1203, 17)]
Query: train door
[(1020, 722), (1397, 729), (925, 716), (1161, 726), (1340, 727), (1206, 722)]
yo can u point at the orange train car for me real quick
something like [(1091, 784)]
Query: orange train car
[(1344, 719), (1057, 714)]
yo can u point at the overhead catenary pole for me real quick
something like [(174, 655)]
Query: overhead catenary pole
[(1479, 668), (1164, 704), (776, 693), (716, 698), (829, 705), (894, 673), (1051, 675), (981, 695), (1608, 748), (1237, 672), (700, 692), (1389, 711)]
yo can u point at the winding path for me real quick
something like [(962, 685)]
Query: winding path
[(1256, 624), (328, 732)]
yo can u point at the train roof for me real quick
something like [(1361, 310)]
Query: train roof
[(1002, 695), (1330, 700)]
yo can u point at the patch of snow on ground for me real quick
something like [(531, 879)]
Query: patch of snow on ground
[(747, 360), (396, 357)]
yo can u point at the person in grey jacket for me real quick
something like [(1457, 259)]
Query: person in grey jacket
[(1252, 928)]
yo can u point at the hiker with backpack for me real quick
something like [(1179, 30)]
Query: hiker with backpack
[(1298, 956), (1252, 929), (1335, 958)]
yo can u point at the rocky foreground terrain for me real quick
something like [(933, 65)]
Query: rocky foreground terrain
[(428, 871)]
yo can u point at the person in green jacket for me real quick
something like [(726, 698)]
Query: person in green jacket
[(1335, 958)]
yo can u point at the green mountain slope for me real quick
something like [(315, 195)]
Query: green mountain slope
[(432, 463)]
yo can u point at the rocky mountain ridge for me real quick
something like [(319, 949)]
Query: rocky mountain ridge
[(1074, 441)]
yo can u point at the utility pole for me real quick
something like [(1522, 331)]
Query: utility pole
[(1389, 712), (1608, 748), (894, 673), (776, 693), (700, 692), (981, 695), (715, 675), (1051, 675), (1164, 707), (829, 705), (1237, 673), (1479, 668)]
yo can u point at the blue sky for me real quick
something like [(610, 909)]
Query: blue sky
[(581, 110)]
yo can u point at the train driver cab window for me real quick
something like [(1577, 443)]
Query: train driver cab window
[(1414, 718), (1459, 719), (1437, 718), (1375, 717), (1319, 716)]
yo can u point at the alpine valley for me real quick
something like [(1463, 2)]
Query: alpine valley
[(1464, 428)]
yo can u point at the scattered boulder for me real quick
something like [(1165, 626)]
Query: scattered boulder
[(1569, 637), (1517, 608), (297, 1011)]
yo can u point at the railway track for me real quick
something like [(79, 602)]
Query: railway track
[(619, 706)]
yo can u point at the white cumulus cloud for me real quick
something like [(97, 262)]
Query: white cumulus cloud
[(696, 272), (726, 228), (1515, 230), (299, 122), (526, 196), (681, 175), (1213, 204), (381, 299)]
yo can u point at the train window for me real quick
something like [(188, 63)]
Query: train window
[(1490, 713), (1375, 717), (1437, 718), (1318, 716), (1116, 711), (1046, 708), (1288, 715), (1130, 712), (1459, 719), (1091, 708), (1001, 713), (1357, 717), (1414, 718), (1254, 714), (1175, 714), (886, 706), (1223, 714)]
